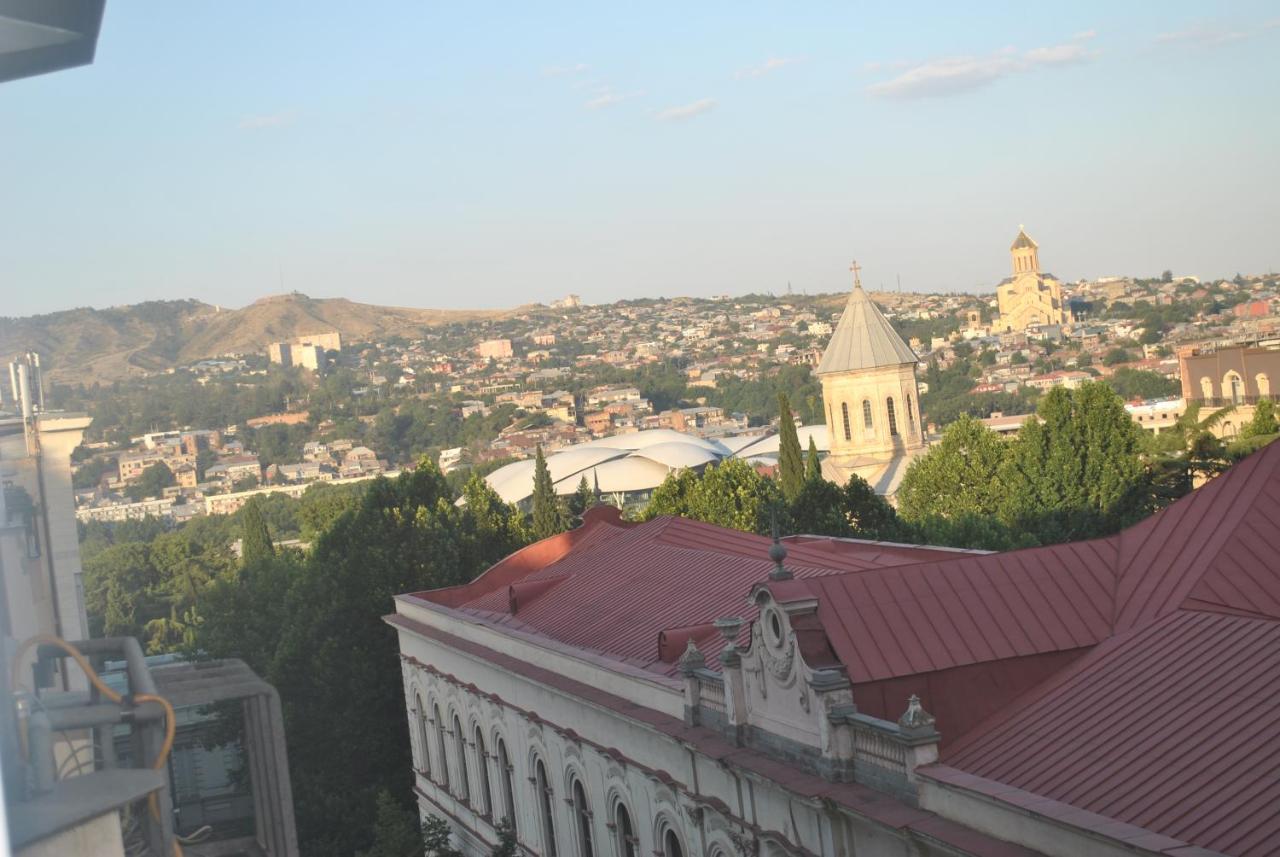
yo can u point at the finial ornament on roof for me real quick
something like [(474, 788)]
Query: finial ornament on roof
[(856, 268), (692, 659), (915, 718), (777, 553)]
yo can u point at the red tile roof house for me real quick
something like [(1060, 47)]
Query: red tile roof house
[(1113, 697)]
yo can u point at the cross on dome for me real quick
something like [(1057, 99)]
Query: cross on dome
[(856, 268)]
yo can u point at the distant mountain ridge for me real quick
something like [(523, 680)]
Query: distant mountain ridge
[(111, 344)]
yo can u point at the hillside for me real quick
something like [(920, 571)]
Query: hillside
[(110, 344)]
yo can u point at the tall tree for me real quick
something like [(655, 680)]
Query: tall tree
[(581, 499), (958, 476), (812, 464), (1078, 471), (731, 494), (547, 517), (868, 513), (255, 544), (1263, 422), (790, 460), (313, 628)]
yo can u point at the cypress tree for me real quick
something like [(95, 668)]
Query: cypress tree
[(790, 461), (812, 465), (255, 538), (546, 508)]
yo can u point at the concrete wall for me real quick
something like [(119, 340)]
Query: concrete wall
[(663, 782), (99, 837)]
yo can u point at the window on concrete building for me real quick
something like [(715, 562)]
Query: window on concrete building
[(911, 416), (893, 417), (844, 412), (671, 846), (868, 422), (543, 788), (508, 784), (1206, 388), (1264, 384), (582, 815), (628, 845), (1233, 389), (440, 748), (484, 801), (424, 739), (460, 750)]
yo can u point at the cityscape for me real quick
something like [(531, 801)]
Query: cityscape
[(752, 564)]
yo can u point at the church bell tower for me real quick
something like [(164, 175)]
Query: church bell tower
[(869, 389)]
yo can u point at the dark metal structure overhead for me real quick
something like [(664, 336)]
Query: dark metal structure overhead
[(40, 36)]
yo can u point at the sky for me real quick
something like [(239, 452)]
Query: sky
[(486, 155)]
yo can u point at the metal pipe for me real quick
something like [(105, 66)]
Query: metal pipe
[(40, 741)]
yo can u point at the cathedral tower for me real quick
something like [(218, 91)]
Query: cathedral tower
[(868, 377), (1025, 253)]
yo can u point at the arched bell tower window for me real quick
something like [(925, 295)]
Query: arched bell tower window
[(911, 416), (893, 417), (844, 412), (867, 422)]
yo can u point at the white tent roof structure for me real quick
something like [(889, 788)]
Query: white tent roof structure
[(638, 461)]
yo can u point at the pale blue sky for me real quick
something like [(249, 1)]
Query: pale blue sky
[(483, 154)]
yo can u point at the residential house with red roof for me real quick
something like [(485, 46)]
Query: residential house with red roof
[(675, 688)]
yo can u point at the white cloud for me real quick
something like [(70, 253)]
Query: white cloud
[(953, 75), (266, 120), (607, 97), (1202, 35), (769, 65), (1084, 35), (687, 111), (565, 70)]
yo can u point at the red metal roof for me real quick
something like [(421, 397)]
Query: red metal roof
[(615, 588), (1173, 727), (1135, 676)]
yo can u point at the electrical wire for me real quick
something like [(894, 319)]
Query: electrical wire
[(171, 723)]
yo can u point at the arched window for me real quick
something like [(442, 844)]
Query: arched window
[(424, 741), (583, 816), (485, 801), (508, 784), (911, 416), (460, 749), (867, 422), (628, 844), (543, 788), (1232, 388), (844, 411), (1264, 384), (893, 418), (671, 846), (1228, 429), (440, 751), (1206, 389)]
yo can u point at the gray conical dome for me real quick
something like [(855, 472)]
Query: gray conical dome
[(864, 339)]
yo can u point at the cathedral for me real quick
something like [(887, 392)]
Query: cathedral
[(871, 397), (1029, 297)]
